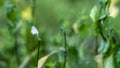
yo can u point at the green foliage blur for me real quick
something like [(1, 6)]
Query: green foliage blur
[(17, 44)]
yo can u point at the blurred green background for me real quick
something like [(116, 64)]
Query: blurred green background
[(48, 16)]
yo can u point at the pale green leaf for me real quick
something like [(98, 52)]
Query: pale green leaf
[(94, 13)]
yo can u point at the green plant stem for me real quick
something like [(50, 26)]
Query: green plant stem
[(38, 52), (33, 22), (33, 10), (65, 46), (65, 43)]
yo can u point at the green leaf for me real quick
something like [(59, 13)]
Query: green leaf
[(107, 46), (104, 46), (94, 14), (109, 62), (104, 15), (42, 60)]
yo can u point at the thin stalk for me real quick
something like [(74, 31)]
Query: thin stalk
[(33, 10), (33, 21), (65, 46), (38, 52)]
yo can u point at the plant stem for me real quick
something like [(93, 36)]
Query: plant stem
[(38, 53), (33, 20), (33, 10), (65, 46), (65, 43)]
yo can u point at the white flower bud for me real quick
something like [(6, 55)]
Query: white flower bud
[(34, 30)]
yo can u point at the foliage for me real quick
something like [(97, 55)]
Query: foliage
[(106, 34), (83, 37)]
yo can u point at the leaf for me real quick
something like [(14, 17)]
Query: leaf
[(42, 61), (104, 15), (94, 13), (107, 46), (104, 46), (109, 62)]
